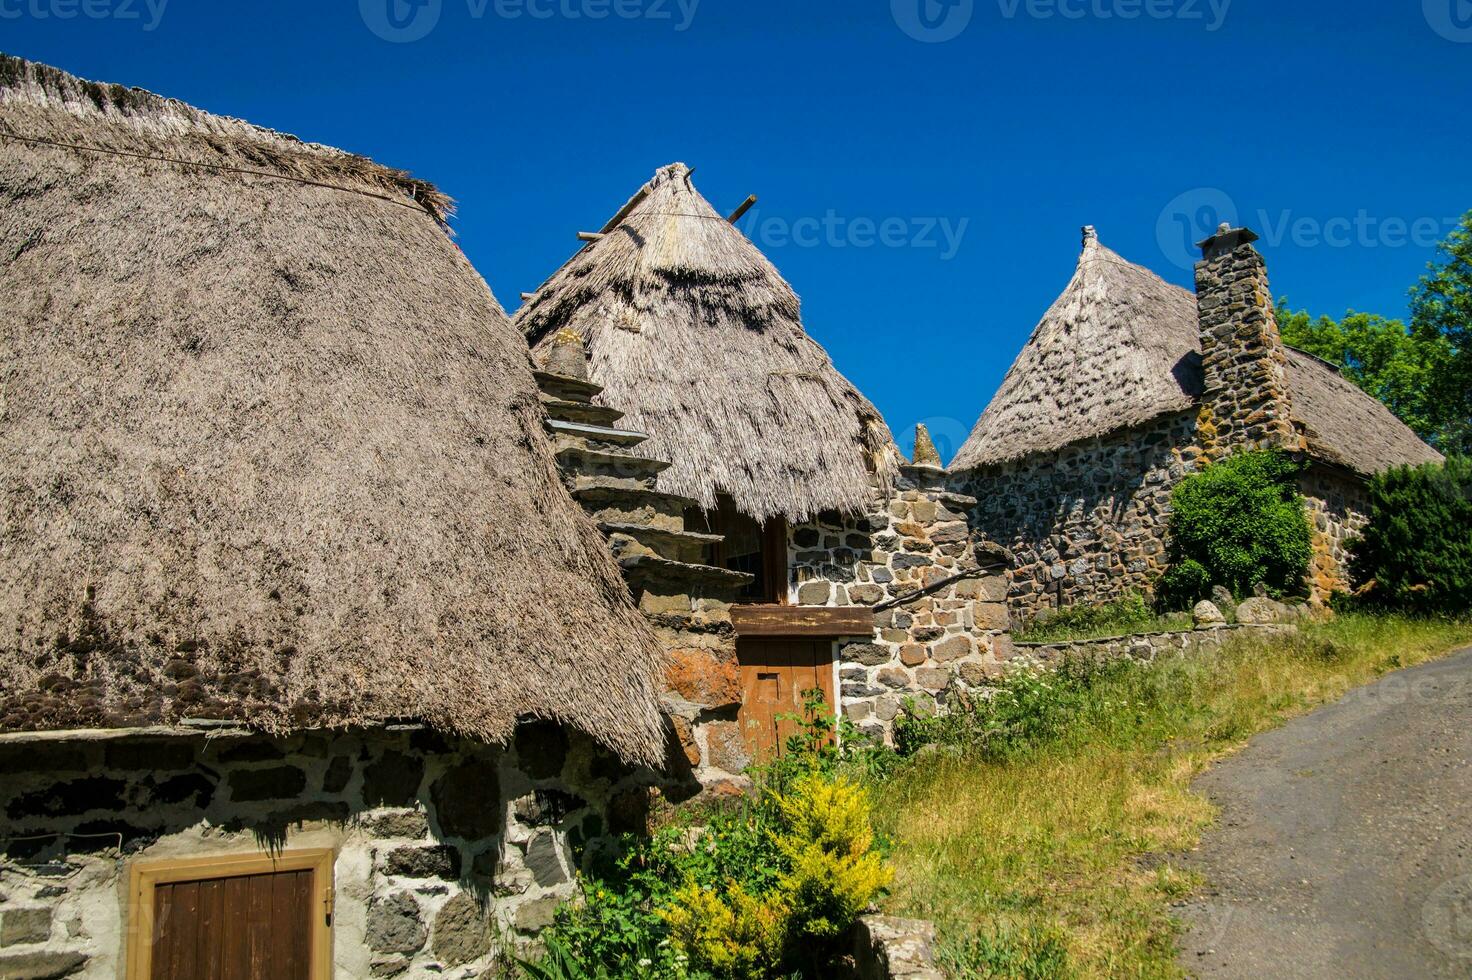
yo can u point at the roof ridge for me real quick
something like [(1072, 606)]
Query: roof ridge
[(59, 107)]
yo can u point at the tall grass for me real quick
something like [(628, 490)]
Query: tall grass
[(1049, 855)]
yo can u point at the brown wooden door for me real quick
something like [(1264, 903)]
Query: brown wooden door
[(775, 676), (247, 927)]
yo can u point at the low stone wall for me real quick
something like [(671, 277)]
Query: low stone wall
[(885, 947), (441, 846), (1143, 646)]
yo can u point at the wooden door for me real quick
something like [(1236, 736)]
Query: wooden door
[(241, 918), (776, 675), (250, 927)]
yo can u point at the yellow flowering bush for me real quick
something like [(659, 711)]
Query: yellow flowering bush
[(733, 934), (765, 889), (833, 872)]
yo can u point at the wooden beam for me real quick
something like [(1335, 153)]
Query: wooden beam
[(590, 236), (626, 210), (814, 621), (745, 207), (528, 297)]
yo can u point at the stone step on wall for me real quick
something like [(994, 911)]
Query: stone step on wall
[(686, 600), (622, 465), (581, 412), (560, 386), (628, 540), (621, 505)]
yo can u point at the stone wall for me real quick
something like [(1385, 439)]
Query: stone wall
[(1143, 646), (1087, 523), (941, 615), (1338, 507), (441, 846)]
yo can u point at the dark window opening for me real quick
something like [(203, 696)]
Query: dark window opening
[(759, 550)]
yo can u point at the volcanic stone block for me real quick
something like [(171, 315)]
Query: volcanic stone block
[(543, 860), (75, 796), (339, 771), (394, 926), (255, 750), (461, 931), (24, 926), (541, 749), (393, 780), (467, 801), (148, 756), (40, 965), (868, 654), (413, 824), (441, 861), (275, 783), (703, 678)]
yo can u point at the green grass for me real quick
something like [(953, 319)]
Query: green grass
[(1051, 857), (1119, 618)]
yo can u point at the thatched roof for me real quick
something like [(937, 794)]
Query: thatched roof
[(1122, 346), (697, 338), (270, 449), (1347, 426)]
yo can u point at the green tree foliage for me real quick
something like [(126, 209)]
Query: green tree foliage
[(1416, 554), (1239, 523), (1441, 308), (1400, 367)]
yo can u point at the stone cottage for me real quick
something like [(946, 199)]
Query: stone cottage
[(816, 557), (1128, 384), (310, 660)]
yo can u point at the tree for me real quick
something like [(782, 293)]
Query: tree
[(1402, 368), (1416, 553), (1441, 308)]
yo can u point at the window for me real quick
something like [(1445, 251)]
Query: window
[(760, 550)]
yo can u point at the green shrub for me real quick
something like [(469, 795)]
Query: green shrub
[(761, 889), (1416, 553), (1239, 523)]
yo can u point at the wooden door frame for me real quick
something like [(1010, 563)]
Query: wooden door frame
[(144, 876)]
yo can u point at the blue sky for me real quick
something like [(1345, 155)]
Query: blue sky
[(924, 196)]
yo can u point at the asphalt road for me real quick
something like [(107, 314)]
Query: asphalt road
[(1345, 843)]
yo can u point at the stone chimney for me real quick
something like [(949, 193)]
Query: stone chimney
[(1245, 401)]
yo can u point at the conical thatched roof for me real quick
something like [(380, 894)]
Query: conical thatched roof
[(271, 450), (697, 338), (1121, 347)]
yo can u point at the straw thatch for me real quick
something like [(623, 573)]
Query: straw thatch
[(271, 451), (1122, 346), (697, 338)]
